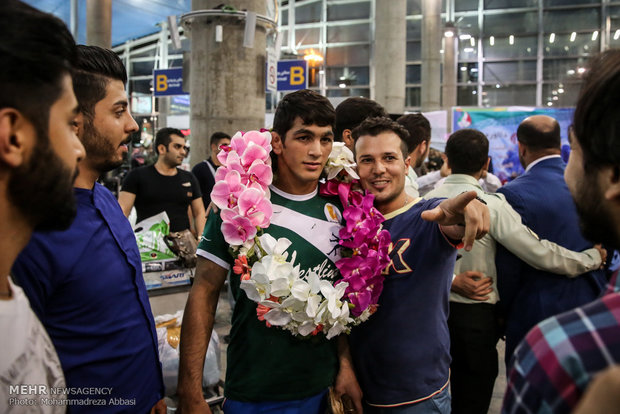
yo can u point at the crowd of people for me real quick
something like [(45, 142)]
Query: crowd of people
[(470, 261)]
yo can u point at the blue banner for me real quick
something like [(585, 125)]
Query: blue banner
[(500, 126), (292, 75), (168, 82)]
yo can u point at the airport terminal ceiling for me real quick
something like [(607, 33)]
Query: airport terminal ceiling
[(510, 52)]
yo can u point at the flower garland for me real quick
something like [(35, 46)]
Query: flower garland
[(302, 305)]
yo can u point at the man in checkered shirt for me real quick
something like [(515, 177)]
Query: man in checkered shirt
[(560, 356)]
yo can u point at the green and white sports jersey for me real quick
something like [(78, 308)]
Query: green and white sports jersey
[(270, 364)]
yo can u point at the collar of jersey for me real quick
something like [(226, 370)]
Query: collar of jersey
[(294, 197), (402, 209)]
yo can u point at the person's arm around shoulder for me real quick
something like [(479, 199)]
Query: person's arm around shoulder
[(509, 230), (198, 321), (346, 381)]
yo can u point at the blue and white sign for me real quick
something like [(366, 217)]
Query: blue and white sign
[(168, 82), (292, 75)]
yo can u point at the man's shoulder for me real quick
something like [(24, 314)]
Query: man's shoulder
[(414, 211), (550, 337), (200, 167), (141, 172), (183, 173), (560, 354)]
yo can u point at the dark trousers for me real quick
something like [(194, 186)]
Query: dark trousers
[(473, 338)]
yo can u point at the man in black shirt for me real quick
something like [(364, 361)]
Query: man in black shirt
[(164, 187), (205, 170)]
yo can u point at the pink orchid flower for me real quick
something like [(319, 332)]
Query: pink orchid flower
[(360, 300), (225, 194), (261, 138), (254, 206), (259, 176), (238, 142), (236, 228), (252, 153), (222, 156), (233, 163)]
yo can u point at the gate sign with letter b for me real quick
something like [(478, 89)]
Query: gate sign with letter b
[(167, 82), (292, 75)]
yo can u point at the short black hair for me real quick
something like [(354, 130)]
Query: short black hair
[(530, 135), (163, 137), (95, 68), (418, 127), (377, 125), (310, 106), (467, 151), (217, 136), (597, 115), (37, 51), (352, 111)]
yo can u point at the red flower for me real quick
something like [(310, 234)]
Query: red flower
[(241, 267)]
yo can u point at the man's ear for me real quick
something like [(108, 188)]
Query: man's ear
[(424, 149), (276, 143), (348, 140), (407, 164), (16, 137), (611, 181), (486, 165), (161, 149)]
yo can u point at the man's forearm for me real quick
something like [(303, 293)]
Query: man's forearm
[(198, 321)]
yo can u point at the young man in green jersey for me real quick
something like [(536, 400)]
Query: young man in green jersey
[(268, 369)]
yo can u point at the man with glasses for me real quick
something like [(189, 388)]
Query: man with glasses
[(165, 187)]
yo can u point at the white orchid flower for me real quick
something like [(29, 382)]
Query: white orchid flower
[(306, 328), (341, 158), (336, 330), (278, 317), (308, 292), (333, 294), (274, 247), (257, 288)]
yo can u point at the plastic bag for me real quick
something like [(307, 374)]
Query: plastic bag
[(168, 339), (150, 235)]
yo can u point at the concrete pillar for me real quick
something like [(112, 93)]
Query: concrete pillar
[(431, 57), (74, 18), (99, 23), (390, 54), (227, 80), (448, 95)]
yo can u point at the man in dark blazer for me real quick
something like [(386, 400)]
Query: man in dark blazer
[(544, 202)]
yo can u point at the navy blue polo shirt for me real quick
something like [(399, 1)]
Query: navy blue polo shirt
[(402, 353)]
